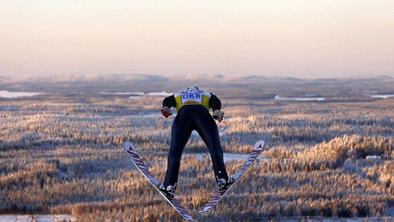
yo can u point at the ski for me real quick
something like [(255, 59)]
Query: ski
[(218, 195), (135, 158)]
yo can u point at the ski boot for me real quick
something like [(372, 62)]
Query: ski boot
[(168, 191), (223, 184)]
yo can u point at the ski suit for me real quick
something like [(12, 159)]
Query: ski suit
[(193, 107)]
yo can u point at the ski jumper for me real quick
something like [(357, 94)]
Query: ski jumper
[(193, 114)]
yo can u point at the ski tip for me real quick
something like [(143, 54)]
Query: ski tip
[(128, 145), (259, 145)]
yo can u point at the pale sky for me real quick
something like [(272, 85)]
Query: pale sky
[(300, 38)]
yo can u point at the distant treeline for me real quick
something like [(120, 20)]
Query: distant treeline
[(64, 155)]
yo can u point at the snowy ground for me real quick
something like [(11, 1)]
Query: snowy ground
[(8, 94), (58, 218), (36, 218), (63, 217)]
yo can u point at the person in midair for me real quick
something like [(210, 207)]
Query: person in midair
[(193, 105)]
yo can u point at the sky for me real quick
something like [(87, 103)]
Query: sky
[(299, 38)]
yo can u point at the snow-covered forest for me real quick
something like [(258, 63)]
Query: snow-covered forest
[(61, 150)]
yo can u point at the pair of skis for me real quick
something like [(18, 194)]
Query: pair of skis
[(215, 197)]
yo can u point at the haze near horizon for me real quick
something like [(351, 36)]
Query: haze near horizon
[(304, 38)]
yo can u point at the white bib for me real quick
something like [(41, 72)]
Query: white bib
[(192, 97)]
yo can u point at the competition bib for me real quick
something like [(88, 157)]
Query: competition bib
[(192, 97)]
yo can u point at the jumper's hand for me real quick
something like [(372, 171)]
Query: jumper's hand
[(218, 115), (166, 112)]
